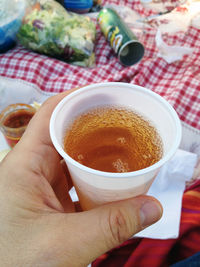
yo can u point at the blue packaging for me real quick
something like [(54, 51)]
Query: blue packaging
[(11, 14), (8, 35), (78, 6)]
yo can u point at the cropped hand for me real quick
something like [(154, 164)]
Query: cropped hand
[(39, 225)]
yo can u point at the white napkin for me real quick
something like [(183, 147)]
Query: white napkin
[(18, 91), (168, 188)]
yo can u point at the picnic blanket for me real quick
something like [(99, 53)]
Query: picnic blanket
[(178, 82)]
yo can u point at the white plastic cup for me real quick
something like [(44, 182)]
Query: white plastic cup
[(97, 187)]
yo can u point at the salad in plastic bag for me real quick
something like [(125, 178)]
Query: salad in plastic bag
[(49, 29)]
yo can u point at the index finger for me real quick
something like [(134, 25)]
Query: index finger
[(38, 129)]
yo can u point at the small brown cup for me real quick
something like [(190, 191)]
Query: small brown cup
[(14, 120)]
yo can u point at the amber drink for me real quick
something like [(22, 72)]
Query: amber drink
[(113, 139)]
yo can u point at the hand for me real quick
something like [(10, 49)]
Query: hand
[(38, 222)]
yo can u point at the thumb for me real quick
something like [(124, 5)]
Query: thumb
[(106, 227)]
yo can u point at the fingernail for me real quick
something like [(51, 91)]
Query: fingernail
[(150, 212)]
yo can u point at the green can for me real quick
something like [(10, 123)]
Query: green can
[(120, 37)]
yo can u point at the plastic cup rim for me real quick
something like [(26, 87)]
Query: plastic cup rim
[(153, 167)]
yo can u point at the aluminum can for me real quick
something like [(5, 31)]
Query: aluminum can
[(120, 37)]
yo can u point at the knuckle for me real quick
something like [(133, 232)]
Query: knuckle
[(118, 227), (48, 101)]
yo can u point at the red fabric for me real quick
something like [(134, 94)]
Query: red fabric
[(161, 253)]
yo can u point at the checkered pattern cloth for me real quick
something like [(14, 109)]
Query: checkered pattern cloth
[(177, 82)]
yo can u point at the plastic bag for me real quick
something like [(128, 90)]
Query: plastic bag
[(11, 14), (49, 29)]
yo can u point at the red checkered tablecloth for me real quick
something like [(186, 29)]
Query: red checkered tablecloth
[(178, 82)]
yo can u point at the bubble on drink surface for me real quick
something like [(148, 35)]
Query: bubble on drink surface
[(80, 158), (121, 166), (121, 140), (147, 156)]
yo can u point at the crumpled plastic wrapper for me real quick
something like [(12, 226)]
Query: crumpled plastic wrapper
[(180, 19), (160, 6), (51, 30), (170, 53)]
